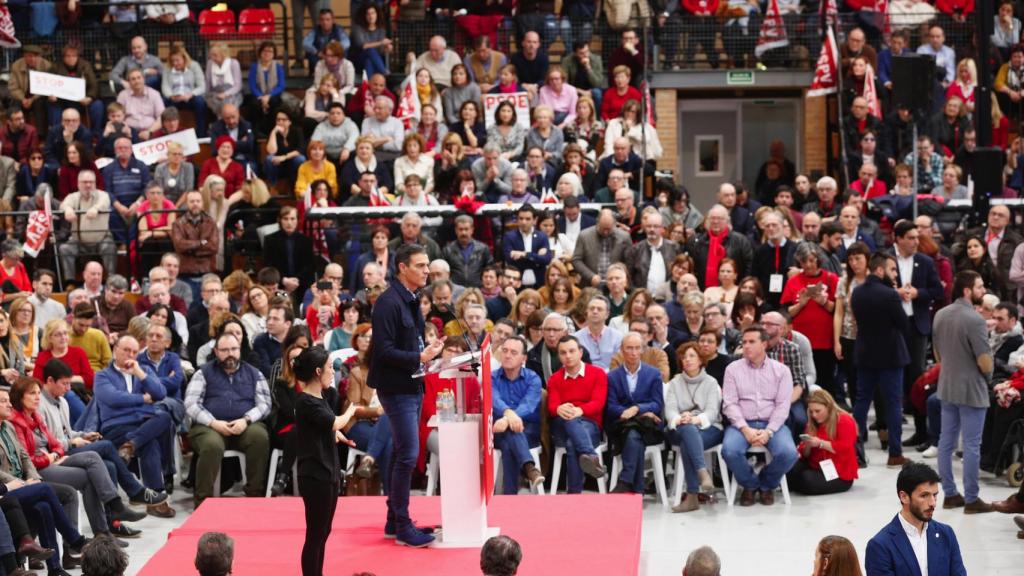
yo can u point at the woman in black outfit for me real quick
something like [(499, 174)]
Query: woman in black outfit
[(317, 431), (284, 393)]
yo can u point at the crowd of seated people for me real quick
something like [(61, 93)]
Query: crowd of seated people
[(653, 320)]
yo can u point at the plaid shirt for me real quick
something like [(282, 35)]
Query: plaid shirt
[(788, 353)]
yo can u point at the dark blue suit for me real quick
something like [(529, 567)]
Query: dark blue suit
[(267, 349), (586, 221), (880, 354), (649, 396), (395, 357), (534, 260), (890, 553)]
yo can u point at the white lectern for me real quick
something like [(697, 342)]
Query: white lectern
[(466, 455)]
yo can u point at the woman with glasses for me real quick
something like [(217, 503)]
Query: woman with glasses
[(33, 173), (174, 175)]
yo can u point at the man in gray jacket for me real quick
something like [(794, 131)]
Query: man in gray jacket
[(960, 339), (598, 247), (466, 256)]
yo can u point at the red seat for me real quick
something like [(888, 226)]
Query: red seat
[(216, 24), (256, 21)]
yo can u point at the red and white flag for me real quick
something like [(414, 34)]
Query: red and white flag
[(7, 38), (409, 101), (319, 238), (650, 103), (378, 198), (547, 196), (870, 94), (826, 74), (773, 30), (829, 13), (40, 223)]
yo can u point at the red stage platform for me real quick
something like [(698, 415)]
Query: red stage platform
[(582, 534)]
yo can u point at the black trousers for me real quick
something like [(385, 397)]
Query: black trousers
[(825, 365), (320, 500), (917, 345), (806, 480), (997, 425), (15, 517)]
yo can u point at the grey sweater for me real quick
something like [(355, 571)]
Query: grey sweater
[(337, 138), (700, 396)]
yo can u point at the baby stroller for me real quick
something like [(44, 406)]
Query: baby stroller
[(1011, 454)]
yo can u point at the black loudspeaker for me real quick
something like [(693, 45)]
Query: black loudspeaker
[(987, 174), (913, 77)]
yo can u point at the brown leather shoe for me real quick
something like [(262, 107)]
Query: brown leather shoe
[(896, 461), (591, 465), (951, 502), (126, 452), (979, 506), (1009, 506), (748, 497), (31, 549), (767, 497), (161, 510), (534, 476)]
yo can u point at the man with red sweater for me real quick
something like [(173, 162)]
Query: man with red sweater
[(576, 398)]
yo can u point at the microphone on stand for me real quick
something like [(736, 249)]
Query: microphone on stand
[(447, 309)]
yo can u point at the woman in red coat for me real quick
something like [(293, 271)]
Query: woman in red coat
[(224, 165), (55, 345), (828, 443)]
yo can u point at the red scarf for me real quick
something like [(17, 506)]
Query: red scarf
[(716, 251)]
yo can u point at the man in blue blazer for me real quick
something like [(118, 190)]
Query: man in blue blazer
[(918, 286), (636, 400), (913, 544), (531, 260), (880, 352)]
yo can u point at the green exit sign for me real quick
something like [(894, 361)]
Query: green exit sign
[(740, 78)]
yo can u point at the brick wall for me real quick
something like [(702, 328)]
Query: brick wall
[(666, 111)]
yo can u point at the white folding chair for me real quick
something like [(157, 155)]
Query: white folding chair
[(275, 456), (535, 452), (767, 460), (241, 463), (556, 472), (652, 454), (710, 456)]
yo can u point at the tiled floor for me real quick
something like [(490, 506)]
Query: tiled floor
[(776, 541)]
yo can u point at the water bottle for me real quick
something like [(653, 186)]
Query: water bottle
[(449, 406), (439, 407)]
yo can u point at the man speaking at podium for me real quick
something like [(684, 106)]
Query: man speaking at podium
[(396, 357)]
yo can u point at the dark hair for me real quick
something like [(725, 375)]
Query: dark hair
[(567, 338), (40, 272), (527, 207), (215, 553), (500, 556), (497, 113), (360, 17), (56, 368), (308, 362), (901, 228), (878, 260), (713, 332), (759, 330), (964, 280), (1015, 49), (103, 557), (521, 340), (758, 289), (289, 314), (913, 475), (334, 105), (579, 44), (829, 229), (268, 275), (294, 333), (21, 387), (742, 300), (405, 252), (267, 44), (1010, 308)]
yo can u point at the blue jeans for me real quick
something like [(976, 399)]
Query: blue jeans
[(374, 438), (890, 380), (373, 62), (149, 438), (781, 447), (6, 540), (75, 406), (515, 453), (578, 436), (287, 169), (198, 106), (934, 409), (797, 421), (693, 442), (46, 517), (957, 417), (403, 412), (567, 29), (119, 472)]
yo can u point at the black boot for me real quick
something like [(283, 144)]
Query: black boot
[(281, 481)]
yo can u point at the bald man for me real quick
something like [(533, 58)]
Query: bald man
[(634, 407)]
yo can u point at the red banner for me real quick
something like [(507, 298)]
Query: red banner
[(38, 228), (486, 431), (870, 94), (773, 31), (826, 74)]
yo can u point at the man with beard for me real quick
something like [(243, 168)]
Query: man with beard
[(913, 543), (227, 400), (960, 339)]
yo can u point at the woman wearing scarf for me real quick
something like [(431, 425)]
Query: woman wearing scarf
[(223, 79), (335, 64), (266, 83)]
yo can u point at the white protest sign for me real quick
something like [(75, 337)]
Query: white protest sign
[(155, 150), (63, 87), (520, 101)]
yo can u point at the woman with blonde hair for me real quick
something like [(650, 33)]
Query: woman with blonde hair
[(836, 556), (23, 329), (318, 100), (470, 295), (54, 344), (453, 158), (183, 85), (224, 79), (963, 87), (12, 360), (831, 436), (414, 160), (255, 310)]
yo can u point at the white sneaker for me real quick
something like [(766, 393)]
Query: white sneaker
[(931, 452)]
